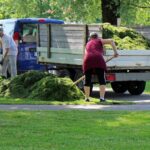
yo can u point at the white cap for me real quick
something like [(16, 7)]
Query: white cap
[(93, 34)]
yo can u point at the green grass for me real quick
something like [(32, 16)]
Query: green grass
[(147, 89), (77, 102), (74, 130), (53, 102)]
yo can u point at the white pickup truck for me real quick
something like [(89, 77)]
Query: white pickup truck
[(63, 46)]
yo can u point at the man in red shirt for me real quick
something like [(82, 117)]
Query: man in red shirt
[(94, 63)]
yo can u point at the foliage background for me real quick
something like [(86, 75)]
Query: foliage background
[(133, 12)]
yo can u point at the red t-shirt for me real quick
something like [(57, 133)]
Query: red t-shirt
[(93, 57)]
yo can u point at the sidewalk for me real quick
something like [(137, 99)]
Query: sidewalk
[(132, 107)]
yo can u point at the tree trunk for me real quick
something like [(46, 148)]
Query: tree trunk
[(110, 11)]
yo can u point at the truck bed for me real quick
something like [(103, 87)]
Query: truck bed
[(64, 45), (128, 59)]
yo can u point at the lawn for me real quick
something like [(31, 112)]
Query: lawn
[(53, 102), (147, 89), (74, 130)]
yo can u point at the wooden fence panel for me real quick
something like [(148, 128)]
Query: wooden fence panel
[(144, 30)]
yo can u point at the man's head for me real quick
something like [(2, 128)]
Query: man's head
[(93, 35), (1, 31)]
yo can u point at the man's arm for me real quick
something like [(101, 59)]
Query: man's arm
[(6, 52)]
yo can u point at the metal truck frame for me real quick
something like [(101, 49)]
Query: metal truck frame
[(64, 45)]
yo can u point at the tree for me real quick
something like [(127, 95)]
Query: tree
[(86, 11), (110, 11), (135, 12), (132, 12), (68, 10)]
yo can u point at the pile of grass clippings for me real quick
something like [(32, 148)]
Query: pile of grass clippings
[(60, 89), (4, 84), (125, 38), (40, 86)]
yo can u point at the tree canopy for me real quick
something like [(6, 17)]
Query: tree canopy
[(132, 12), (135, 12), (68, 10)]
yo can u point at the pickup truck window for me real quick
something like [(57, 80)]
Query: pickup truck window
[(29, 33)]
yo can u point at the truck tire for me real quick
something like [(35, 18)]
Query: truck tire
[(63, 73), (119, 87), (136, 87)]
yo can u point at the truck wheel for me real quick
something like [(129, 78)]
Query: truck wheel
[(119, 87), (136, 87), (63, 73)]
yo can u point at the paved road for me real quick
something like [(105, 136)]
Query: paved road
[(141, 99), (138, 107)]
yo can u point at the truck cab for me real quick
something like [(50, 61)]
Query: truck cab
[(24, 32)]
